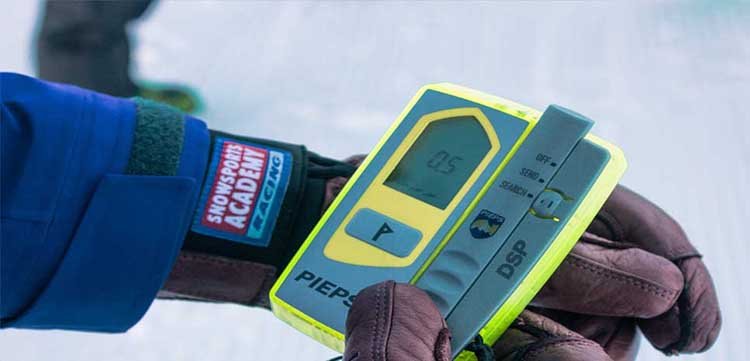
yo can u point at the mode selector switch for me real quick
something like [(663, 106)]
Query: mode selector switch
[(546, 204)]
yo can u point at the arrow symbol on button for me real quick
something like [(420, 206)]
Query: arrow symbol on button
[(384, 229)]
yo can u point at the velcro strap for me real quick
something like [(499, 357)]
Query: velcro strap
[(158, 139)]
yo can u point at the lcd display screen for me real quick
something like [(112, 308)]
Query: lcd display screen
[(441, 160)]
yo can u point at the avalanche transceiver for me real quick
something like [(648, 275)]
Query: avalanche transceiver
[(470, 197)]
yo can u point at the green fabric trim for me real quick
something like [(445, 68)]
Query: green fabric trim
[(158, 138)]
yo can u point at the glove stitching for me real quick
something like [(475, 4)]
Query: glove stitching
[(601, 271), (376, 329), (389, 303), (541, 347), (236, 264)]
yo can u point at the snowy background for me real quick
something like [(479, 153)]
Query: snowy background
[(667, 81)]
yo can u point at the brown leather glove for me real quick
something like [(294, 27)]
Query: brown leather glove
[(395, 321), (633, 268), (533, 337)]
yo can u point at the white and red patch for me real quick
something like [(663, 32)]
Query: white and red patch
[(235, 188), (243, 192)]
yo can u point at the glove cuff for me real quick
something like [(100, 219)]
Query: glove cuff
[(259, 201), (204, 277)]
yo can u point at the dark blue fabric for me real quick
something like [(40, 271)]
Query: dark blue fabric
[(81, 245)]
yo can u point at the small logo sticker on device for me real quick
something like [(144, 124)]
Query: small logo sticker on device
[(243, 192), (486, 224)]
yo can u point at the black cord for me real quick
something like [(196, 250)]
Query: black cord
[(481, 350)]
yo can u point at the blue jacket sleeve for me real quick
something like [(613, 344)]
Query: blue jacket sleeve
[(96, 196)]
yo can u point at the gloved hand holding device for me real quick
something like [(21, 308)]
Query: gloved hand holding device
[(633, 268), (631, 265), (98, 193)]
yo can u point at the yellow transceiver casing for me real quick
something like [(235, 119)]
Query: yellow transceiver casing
[(473, 198)]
